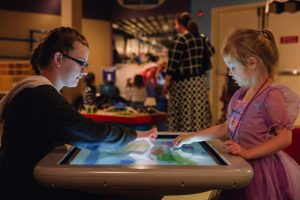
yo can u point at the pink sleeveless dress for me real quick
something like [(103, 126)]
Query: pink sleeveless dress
[(276, 176)]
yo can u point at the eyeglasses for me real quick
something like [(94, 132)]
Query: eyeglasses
[(80, 62)]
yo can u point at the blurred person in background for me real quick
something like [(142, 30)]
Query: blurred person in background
[(185, 82), (89, 94), (139, 94)]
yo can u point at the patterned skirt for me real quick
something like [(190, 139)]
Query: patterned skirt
[(188, 108)]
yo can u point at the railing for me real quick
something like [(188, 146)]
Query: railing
[(31, 40)]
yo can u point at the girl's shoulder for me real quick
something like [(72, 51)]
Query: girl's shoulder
[(287, 93), (281, 99), (270, 95)]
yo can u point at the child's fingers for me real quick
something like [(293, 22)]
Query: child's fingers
[(229, 142), (232, 149), (177, 142), (235, 151)]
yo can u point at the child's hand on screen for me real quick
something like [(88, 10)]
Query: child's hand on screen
[(181, 140)]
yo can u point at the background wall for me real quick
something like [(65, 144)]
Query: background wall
[(98, 33), (283, 25), (204, 22), (18, 24)]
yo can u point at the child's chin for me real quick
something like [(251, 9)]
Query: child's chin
[(241, 84)]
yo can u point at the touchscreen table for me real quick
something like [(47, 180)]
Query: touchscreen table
[(144, 152), (146, 167)]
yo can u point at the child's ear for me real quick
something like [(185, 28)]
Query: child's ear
[(252, 63)]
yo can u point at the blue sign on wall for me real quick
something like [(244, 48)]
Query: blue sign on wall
[(109, 74)]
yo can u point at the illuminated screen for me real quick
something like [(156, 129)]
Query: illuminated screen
[(145, 152)]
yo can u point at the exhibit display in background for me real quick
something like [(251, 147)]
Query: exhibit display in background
[(137, 121), (13, 71), (109, 74)]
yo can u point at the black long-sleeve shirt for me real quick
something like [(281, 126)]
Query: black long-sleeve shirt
[(36, 120)]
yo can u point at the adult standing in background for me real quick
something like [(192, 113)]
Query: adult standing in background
[(185, 81)]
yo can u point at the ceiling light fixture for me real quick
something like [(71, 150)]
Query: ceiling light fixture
[(140, 4)]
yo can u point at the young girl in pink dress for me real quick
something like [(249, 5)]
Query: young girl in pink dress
[(260, 118)]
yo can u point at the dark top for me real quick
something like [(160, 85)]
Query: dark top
[(186, 56), (36, 120)]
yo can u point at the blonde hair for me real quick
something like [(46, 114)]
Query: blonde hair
[(244, 43)]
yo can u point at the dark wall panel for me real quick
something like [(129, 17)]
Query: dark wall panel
[(36, 6), (95, 9), (168, 7)]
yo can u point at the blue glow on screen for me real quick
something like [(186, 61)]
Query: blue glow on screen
[(145, 152)]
